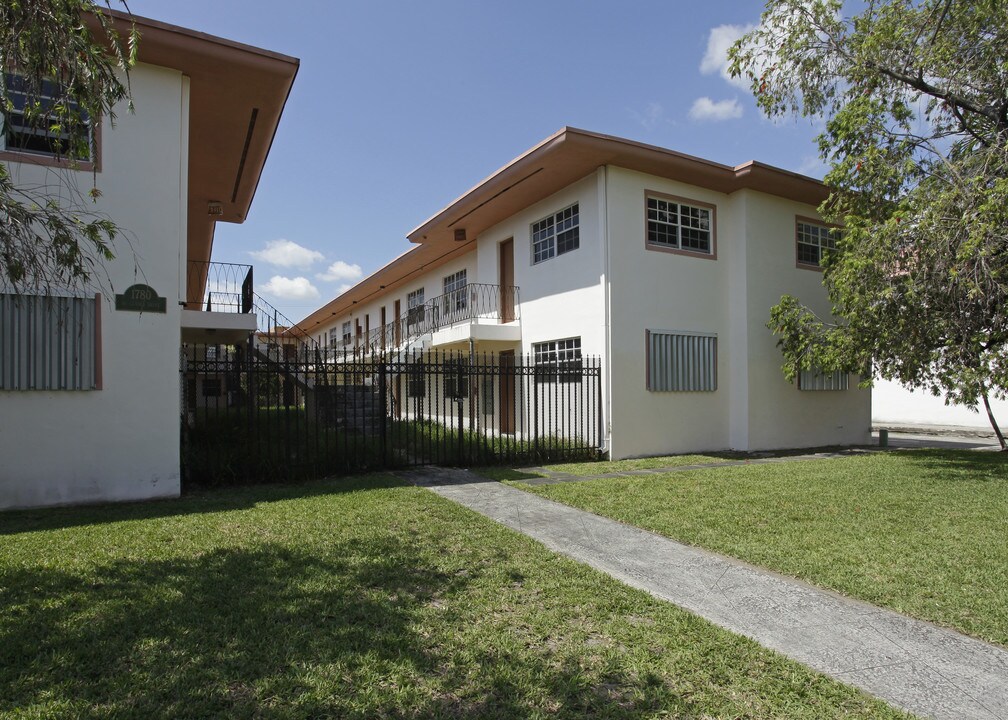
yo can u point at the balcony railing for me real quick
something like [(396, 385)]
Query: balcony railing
[(219, 287), (477, 301)]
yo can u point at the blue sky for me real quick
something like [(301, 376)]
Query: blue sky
[(399, 107)]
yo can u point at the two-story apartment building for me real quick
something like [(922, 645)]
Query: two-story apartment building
[(661, 264), (90, 391)]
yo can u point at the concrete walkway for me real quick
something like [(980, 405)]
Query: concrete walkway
[(911, 664)]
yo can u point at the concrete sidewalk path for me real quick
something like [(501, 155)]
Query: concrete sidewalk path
[(911, 664)]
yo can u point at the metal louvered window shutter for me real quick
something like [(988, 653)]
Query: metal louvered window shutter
[(681, 361), (47, 342), (817, 380)]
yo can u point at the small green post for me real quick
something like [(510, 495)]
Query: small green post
[(883, 438)]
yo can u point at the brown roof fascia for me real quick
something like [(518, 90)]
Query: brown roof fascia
[(387, 279), (237, 94), (554, 163), (572, 153)]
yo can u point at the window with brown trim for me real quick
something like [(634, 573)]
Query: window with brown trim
[(47, 133), (680, 225), (813, 241), (556, 234)]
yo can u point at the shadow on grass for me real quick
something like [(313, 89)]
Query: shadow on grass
[(195, 500), (970, 464), (272, 632)]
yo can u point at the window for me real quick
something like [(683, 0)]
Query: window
[(488, 381), (456, 378), (815, 379), (681, 361), (416, 381), (347, 337), (49, 343), (414, 307), (557, 360), (211, 387), (455, 295), (814, 241), (676, 225), (333, 337), (556, 234), (48, 131)]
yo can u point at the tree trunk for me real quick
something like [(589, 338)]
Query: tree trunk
[(993, 422)]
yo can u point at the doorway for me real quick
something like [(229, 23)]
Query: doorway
[(506, 265), (506, 411)]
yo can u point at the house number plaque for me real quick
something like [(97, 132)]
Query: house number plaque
[(141, 298)]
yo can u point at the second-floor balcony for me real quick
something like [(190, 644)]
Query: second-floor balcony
[(217, 307), (478, 311)]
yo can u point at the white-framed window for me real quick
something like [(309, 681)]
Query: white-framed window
[(455, 294), (416, 380), (557, 360), (813, 241), (815, 379), (456, 378), (334, 337), (211, 387), (49, 342), (347, 334), (48, 132), (680, 361), (415, 307), (680, 225), (556, 234)]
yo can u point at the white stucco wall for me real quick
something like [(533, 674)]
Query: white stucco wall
[(120, 442), (893, 404), (753, 407), (781, 415), (560, 297), (654, 290)]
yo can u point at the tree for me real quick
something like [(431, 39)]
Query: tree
[(66, 68), (915, 100)]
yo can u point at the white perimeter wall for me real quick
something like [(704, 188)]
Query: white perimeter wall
[(893, 404), (121, 442)]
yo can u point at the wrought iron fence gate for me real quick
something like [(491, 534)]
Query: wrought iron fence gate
[(270, 412)]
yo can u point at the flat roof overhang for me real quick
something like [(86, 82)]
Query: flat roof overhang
[(237, 94), (561, 159), (571, 154)]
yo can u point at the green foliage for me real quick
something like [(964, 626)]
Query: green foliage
[(915, 98), (73, 67)]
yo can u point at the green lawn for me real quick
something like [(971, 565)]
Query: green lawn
[(359, 598), (648, 463), (922, 532)]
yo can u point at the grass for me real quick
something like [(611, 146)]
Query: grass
[(649, 463), (354, 599), (922, 532)]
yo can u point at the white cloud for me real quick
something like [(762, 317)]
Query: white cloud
[(286, 253), (715, 59), (285, 288), (340, 271), (652, 117), (812, 165), (706, 109)]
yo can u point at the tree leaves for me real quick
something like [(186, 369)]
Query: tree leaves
[(68, 77), (915, 97)]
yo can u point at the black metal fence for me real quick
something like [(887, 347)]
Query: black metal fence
[(255, 413)]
